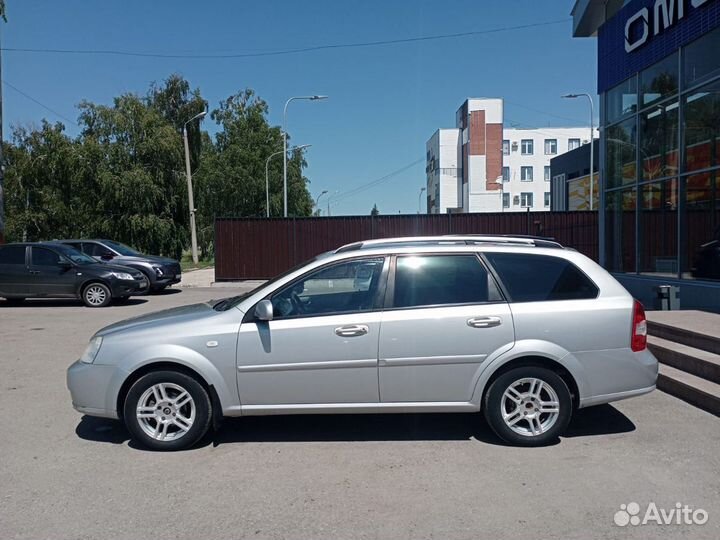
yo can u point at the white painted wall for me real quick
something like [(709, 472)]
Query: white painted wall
[(442, 173)]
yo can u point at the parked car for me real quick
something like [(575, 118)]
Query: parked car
[(161, 272), (54, 270), (521, 329)]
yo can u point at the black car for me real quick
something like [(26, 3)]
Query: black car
[(54, 270), (160, 271)]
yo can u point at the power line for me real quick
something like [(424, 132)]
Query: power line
[(63, 117), (376, 182), (282, 52)]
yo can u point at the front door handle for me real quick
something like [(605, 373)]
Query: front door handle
[(484, 322), (34, 272), (351, 331)]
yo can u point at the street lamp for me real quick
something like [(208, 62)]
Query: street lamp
[(330, 198), (592, 138), (267, 180), (284, 130), (500, 180), (317, 200), (420, 198), (188, 174)]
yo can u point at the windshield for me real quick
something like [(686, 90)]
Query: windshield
[(228, 303), (74, 255), (122, 249)]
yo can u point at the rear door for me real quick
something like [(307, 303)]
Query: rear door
[(444, 316), (48, 277), (14, 274)]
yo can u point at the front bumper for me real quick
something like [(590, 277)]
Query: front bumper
[(121, 287), (91, 387)]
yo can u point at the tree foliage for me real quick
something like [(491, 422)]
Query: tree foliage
[(123, 176)]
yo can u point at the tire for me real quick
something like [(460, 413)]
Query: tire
[(170, 427), (96, 295), (14, 301), (514, 412)]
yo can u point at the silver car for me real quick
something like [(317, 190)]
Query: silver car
[(520, 328)]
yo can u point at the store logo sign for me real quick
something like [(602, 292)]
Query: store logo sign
[(663, 15)]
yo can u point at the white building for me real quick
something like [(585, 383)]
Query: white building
[(480, 167)]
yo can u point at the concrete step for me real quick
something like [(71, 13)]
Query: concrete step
[(695, 390), (703, 364), (696, 329)]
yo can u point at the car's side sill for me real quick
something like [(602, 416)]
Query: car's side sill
[(351, 408)]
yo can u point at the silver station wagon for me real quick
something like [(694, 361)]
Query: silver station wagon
[(517, 327)]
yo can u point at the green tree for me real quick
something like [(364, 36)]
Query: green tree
[(374, 211)]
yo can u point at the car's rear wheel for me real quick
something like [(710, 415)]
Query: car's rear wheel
[(96, 295), (167, 410), (528, 406)]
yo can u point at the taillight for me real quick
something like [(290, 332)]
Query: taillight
[(638, 341)]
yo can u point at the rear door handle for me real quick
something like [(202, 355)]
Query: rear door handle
[(34, 271), (484, 322), (352, 330)]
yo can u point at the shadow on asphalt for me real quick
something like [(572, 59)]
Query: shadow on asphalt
[(595, 421), (166, 292), (66, 302)]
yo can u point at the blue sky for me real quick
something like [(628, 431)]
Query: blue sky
[(385, 101)]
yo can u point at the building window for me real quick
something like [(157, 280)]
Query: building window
[(547, 199), (659, 80), (526, 147), (506, 200), (620, 156), (526, 199), (506, 174), (550, 147), (620, 230), (622, 99), (526, 174), (659, 141), (547, 173), (698, 64), (573, 144), (658, 222), (506, 147), (702, 136), (700, 226)]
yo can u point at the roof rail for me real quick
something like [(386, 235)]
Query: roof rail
[(462, 239)]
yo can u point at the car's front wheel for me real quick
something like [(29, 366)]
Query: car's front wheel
[(528, 406), (96, 295), (167, 410)]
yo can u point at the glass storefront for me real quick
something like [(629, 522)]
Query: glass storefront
[(662, 167)]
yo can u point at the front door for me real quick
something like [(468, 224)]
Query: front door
[(321, 346), (444, 318), (48, 275)]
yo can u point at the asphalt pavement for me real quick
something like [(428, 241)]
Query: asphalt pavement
[(438, 476)]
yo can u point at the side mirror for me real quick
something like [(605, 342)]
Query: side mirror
[(264, 310), (107, 256), (65, 264)]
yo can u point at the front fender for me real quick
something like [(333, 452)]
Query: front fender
[(528, 348), (175, 354)]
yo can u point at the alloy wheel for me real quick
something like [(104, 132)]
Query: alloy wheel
[(96, 295), (530, 407), (166, 411)]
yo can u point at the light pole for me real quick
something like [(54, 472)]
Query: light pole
[(330, 198), (188, 174), (317, 200), (284, 130), (422, 189), (267, 179), (592, 139), (500, 180)]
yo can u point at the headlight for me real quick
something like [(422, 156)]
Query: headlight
[(91, 351), (158, 271), (122, 275)]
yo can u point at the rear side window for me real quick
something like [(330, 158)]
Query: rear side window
[(12, 255), (431, 280), (538, 278)]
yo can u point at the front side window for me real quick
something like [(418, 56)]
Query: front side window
[(550, 147), (540, 278), (526, 200), (346, 287), (44, 257), (526, 174), (573, 144), (506, 147), (526, 147), (12, 255), (435, 280), (94, 250)]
